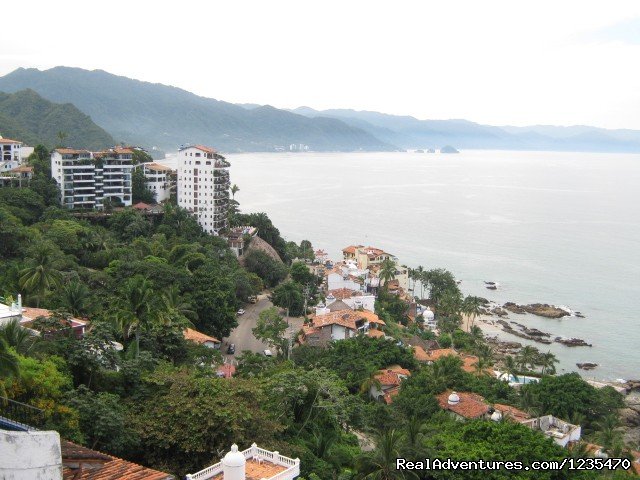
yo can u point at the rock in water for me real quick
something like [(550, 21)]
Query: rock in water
[(448, 149)]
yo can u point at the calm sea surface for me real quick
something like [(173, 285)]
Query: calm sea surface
[(560, 228)]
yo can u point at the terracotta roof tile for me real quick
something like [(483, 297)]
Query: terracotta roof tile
[(70, 151), (420, 354), (157, 167), (102, 466), (374, 333), (8, 140), (342, 293), (392, 375), (470, 406), (346, 318)]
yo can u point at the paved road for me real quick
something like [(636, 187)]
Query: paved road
[(242, 335)]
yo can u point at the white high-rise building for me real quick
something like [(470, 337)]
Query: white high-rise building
[(87, 179), (203, 186)]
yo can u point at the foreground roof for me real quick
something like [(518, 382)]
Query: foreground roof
[(8, 140), (346, 318), (81, 463)]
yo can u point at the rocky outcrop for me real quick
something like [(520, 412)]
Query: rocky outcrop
[(540, 309), (586, 365), (572, 342)]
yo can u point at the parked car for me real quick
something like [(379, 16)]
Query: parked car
[(241, 312), (267, 353), (232, 349)]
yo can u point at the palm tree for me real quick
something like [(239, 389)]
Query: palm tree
[(547, 362), (380, 464), (609, 434), (387, 271), (472, 306), (528, 357), (18, 337), (74, 297), (234, 189), (450, 304), (136, 309), (9, 366), (510, 367), (41, 276), (173, 307), (476, 335), (369, 383)]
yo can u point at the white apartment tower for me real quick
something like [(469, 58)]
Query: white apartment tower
[(203, 186), (160, 180), (87, 179), (10, 154)]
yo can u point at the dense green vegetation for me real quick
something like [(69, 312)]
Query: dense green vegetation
[(26, 116), (141, 281)]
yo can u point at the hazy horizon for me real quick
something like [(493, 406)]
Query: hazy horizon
[(497, 63)]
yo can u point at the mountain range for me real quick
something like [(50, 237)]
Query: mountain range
[(151, 114), (26, 116)]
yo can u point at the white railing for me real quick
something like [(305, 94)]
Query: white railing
[(272, 457)]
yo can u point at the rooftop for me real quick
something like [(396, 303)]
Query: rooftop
[(346, 318), (198, 337), (157, 167), (392, 375), (433, 355), (470, 405), (81, 463), (511, 413), (5, 141), (260, 464)]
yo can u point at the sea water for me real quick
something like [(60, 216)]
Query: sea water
[(549, 227)]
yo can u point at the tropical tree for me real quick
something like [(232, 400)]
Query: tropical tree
[(234, 189), (472, 306), (9, 366), (510, 367), (270, 328), (289, 295), (381, 463), (135, 314), (75, 297), (547, 361), (527, 357), (42, 275), (387, 271), (419, 275), (21, 339)]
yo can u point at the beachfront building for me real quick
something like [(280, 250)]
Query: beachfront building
[(203, 186), (237, 237), (254, 463), (161, 180), (16, 177), (93, 180)]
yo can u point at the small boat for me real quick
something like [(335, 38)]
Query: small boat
[(491, 287), (489, 283)]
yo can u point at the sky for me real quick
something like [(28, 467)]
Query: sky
[(496, 62)]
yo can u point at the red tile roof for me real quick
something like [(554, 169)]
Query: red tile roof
[(142, 206), (342, 293), (351, 249), (420, 354), (157, 167), (8, 140), (204, 148), (22, 169), (470, 406), (392, 375), (100, 466), (346, 318), (29, 314), (227, 370)]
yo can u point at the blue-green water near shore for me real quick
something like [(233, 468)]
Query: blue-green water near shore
[(560, 228)]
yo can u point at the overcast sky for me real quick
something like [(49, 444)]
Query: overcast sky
[(496, 62)]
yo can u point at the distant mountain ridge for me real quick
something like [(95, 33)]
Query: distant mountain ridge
[(158, 115), (26, 116), (409, 132)]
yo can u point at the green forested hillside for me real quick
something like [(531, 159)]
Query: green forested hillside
[(152, 114), (27, 116)]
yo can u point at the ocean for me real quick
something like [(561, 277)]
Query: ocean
[(549, 227)]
